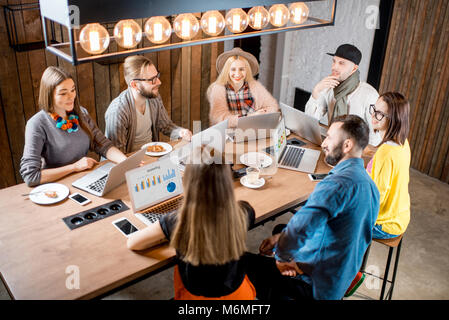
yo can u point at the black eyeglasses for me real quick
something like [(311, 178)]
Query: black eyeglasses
[(152, 80), (379, 115)]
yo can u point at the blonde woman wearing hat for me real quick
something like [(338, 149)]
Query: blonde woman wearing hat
[(236, 93)]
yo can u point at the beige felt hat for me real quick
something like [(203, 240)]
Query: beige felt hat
[(222, 58)]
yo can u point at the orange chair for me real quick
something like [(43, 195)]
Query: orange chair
[(246, 291)]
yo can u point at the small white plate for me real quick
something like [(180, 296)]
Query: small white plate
[(168, 148), (40, 198), (244, 181), (256, 159)]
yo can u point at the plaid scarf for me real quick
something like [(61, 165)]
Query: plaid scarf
[(240, 102)]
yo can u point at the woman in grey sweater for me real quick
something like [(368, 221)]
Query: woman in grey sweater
[(58, 138)]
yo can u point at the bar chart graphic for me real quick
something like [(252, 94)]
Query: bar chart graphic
[(154, 183), (170, 175), (148, 183)]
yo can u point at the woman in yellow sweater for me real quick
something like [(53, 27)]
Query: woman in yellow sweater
[(390, 165), (389, 169)]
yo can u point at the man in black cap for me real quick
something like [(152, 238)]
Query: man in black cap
[(342, 92)]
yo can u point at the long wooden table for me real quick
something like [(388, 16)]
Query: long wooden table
[(40, 255)]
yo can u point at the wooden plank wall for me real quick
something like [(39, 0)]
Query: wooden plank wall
[(417, 65), (185, 74)]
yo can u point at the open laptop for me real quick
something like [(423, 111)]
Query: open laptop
[(155, 189), (214, 137), (293, 157), (108, 176), (256, 127), (303, 125)]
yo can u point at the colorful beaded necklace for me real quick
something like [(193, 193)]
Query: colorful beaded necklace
[(70, 124)]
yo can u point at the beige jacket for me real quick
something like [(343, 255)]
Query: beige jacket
[(121, 121), (219, 111), (358, 103)]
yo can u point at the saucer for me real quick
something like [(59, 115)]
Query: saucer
[(244, 181), (256, 159)]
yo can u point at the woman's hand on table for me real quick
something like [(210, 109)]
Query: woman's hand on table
[(84, 163)]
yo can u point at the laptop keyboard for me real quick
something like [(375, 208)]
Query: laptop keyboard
[(154, 213), (292, 157), (98, 185)]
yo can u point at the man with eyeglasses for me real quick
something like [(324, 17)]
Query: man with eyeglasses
[(342, 92), (138, 114)]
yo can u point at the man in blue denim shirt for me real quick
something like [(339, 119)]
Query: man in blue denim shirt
[(324, 243)]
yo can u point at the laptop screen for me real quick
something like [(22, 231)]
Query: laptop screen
[(213, 137), (153, 183), (279, 139)]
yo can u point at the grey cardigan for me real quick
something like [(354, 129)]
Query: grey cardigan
[(121, 121), (49, 147)]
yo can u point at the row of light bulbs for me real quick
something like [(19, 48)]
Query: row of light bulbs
[(94, 38)]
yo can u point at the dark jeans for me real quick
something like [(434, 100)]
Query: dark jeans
[(270, 284)]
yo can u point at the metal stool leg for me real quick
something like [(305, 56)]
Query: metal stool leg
[(396, 262), (365, 259), (387, 269)]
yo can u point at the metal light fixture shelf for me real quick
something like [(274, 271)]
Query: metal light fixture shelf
[(13, 21), (64, 12)]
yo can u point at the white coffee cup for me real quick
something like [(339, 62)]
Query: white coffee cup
[(252, 175)]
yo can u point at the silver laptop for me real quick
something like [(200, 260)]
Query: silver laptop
[(107, 177), (256, 127), (303, 125), (293, 157), (214, 137), (155, 189)]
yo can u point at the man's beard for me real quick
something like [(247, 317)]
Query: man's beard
[(334, 157), (147, 94)]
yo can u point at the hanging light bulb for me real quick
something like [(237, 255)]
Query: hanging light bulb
[(128, 33), (212, 23), (94, 38), (299, 12), (236, 20), (258, 17), (186, 26), (279, 15), (158, 29)]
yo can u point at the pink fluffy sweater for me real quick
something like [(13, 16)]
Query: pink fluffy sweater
[(219, 111)]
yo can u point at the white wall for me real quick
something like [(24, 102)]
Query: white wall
[(300, 56)]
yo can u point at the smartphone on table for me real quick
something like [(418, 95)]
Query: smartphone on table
[(124, 226), (79, 198), (317, 176)]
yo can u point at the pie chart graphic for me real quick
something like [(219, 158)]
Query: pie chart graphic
[(171, 187)]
